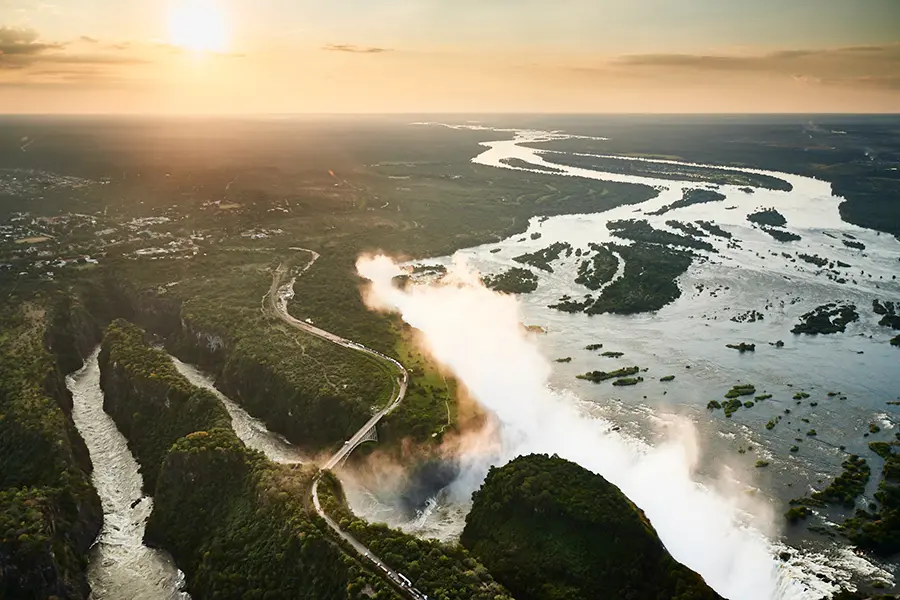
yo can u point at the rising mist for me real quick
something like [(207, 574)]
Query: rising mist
[(477, 335)]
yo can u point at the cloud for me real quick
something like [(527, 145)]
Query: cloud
[(872, 66), (22, 42), (22, 49), (355, 49)]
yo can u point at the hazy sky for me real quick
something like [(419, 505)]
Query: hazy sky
[(295, 56)]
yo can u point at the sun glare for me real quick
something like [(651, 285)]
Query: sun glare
[(197, 25)]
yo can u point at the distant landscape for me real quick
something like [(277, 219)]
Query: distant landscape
[(125, 242)]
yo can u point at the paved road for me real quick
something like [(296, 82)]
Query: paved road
[(277, 299)]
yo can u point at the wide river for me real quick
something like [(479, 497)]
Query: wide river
[(750, 272)]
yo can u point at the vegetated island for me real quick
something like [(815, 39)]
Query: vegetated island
[(768, 216), (734, 402), (541, 259), (642, 231), (889, 315), (689, 198), (826, 319), (648, 283), (843, 491), (548, 529), (598, 376), (742, 347), (714, 229), (878, 528), (514, 281), (781, 235), (751, 316)]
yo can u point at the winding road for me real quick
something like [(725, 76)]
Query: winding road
[(275, 301)]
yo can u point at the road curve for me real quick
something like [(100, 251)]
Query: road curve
[(277, 298)]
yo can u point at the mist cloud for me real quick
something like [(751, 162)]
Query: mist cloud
[(477, 335)]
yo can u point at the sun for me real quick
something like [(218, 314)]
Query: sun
[(198, 25)]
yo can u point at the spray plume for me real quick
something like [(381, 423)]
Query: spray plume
[(476, 334)]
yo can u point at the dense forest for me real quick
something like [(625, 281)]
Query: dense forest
[(549, 529), (49, 513)]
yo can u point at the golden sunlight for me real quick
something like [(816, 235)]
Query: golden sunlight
[(197, 25)]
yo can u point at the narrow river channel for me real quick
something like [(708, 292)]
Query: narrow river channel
[(121, 566)]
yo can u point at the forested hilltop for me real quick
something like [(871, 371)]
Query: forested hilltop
[(549, 529)]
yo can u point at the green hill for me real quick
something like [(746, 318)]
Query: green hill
[(548, 529)]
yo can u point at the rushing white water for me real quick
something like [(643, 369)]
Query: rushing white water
[(717, 519), (121, 566), (249, 430)]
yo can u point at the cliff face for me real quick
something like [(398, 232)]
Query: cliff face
[(548, 529), (49, 513), (152, 404)]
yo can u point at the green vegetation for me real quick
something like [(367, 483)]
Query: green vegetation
[(895, 341), (813, 259), (773, 422), (689, 198), (811, 433), (762, 397), (781, 235), (845, 488), (687, 228), (239, 526), (542, 258), (714, 229), (598, 270), (874, 428), (731, 407), (628, 381), (742, 347), (744, 389), (762, 464), (429, 411), (770, 217), (795, 449), (598, 376), (669, 171), (649, 282), (612, 354), (444, 571), (667, 378), (801, 396), (642, 231), (593, 347), (796, 513), (513, 281), (826, 319), (236, 524), (713, 405), (889, 315), (548, 529), (878, 529), (49, 513), (152, 404), (567, 359), (854, 245)]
